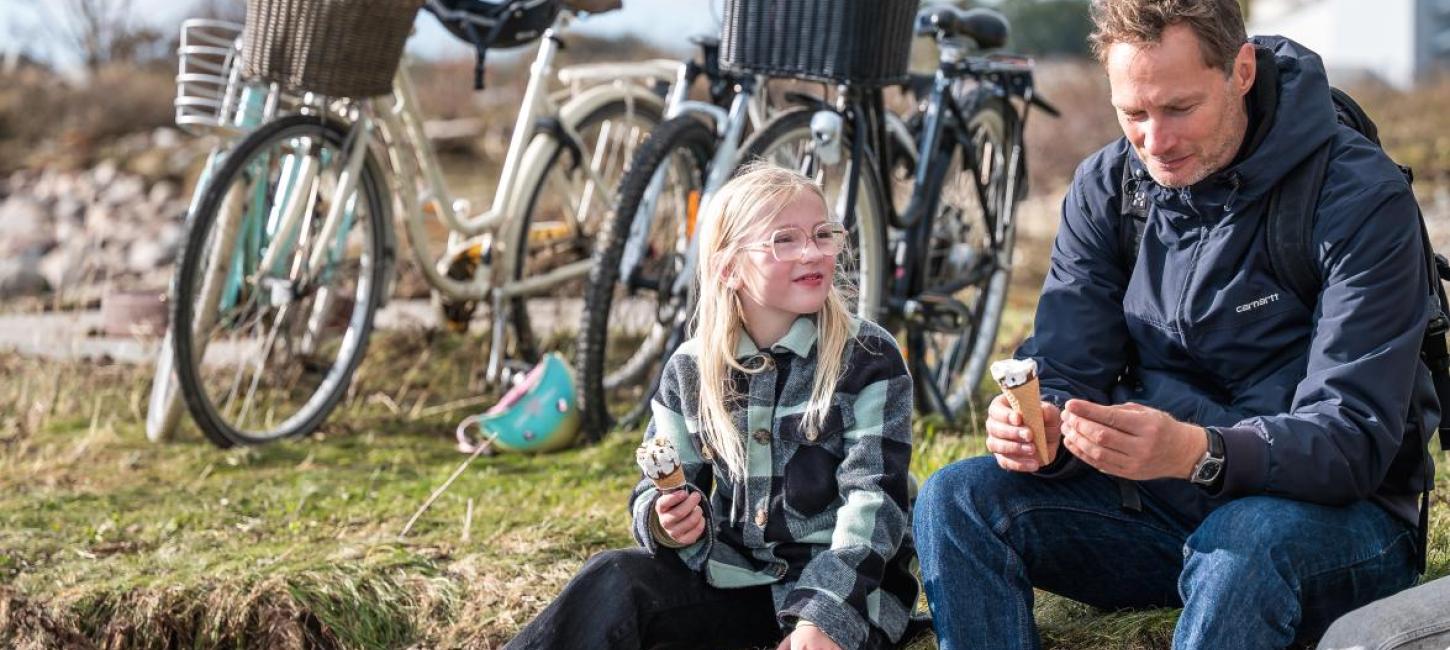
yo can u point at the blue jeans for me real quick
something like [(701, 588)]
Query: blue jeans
[(1257, 572)]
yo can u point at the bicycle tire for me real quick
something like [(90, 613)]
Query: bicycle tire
[(689, 143), (960, 359), (195, 265), (868, 236), (580, 245)]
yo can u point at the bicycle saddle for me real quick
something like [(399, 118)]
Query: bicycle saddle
[(986, 27)]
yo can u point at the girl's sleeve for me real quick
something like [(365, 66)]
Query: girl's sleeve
[(667, 419), (840, 588)]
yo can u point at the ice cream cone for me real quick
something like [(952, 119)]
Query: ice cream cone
[(1018, 379), (1027, 401), (671, 482), (659, 461)]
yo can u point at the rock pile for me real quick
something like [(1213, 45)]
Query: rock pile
[(117, 225)]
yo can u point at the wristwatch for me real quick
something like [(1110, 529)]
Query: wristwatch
[(1210, 468)]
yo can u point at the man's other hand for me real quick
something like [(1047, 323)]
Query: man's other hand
[(1132, 441), (1010, 441)]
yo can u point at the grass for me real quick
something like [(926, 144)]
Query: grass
[(109, 541)]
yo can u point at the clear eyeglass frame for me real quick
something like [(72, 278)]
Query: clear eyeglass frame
[(789, 244)]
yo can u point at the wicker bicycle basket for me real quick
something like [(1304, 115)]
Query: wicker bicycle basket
[(864, 42), (338, 48)]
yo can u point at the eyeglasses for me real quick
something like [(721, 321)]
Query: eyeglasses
[(789, 244)]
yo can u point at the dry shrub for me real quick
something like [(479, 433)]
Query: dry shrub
[(1055, 146), (44, 118), (1414, 125)]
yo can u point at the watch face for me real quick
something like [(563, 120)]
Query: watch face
[(1208, 470)]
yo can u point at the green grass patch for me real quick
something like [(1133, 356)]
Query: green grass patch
[(107, 540)]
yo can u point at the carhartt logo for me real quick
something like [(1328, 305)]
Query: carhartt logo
[(1273, 297)]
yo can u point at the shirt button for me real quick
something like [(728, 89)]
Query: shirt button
[(761, 517), (762, 436)]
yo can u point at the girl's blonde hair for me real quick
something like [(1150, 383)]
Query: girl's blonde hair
[(740, 213)]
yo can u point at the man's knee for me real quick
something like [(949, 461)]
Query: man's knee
[(1251, 527), (960, 493)]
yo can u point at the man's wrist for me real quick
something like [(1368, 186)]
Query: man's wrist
[(1197, 449)]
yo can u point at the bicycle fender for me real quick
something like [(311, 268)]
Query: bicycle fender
[(541, 149)]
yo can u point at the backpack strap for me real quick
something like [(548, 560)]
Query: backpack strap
[(1133, 210), (1290, 227)]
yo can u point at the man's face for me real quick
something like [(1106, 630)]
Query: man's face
[(1184, 118)]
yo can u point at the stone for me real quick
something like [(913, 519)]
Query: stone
[(64, 266), (146, 254), (161, 192), (24, 227), (19, 277), (124, 190)]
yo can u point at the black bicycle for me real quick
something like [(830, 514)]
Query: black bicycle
[(930, 204)]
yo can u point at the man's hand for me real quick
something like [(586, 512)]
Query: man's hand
[(1132, 441), (681, 517), (1010, 441), (807, 637)]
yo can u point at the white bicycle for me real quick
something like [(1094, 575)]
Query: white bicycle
[(291, 249)]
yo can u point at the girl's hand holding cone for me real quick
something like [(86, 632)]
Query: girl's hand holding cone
[(680, 515)]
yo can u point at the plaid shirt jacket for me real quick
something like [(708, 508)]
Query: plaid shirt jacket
[(822, 516)]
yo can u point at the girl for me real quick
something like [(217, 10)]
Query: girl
[(792, 420)]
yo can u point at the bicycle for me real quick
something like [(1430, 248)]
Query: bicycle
[(292, 245), (937, 270), (636, 304), (212, 101), (953, 259)]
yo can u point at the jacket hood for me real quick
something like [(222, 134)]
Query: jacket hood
[(1302, 121)]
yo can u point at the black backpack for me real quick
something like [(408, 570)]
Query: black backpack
[(1290, 230)]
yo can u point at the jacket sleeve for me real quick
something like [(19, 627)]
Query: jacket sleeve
[(1080, 337), (667, 420), (1349, 412), (839, 586)]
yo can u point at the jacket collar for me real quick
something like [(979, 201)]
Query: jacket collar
[(799, 340)]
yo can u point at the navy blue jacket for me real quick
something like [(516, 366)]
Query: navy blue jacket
[(1327, 403)]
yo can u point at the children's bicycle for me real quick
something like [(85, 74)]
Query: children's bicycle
[(291, 247)]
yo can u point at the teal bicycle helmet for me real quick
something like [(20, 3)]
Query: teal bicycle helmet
[(537, 415)]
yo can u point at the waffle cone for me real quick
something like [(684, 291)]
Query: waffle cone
[(1027, 401), (672, 481)]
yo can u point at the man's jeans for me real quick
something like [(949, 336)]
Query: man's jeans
[(1258, 572)]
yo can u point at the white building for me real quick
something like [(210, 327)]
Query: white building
[(1398, 41)]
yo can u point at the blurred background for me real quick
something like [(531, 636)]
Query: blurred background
[(94, 178)]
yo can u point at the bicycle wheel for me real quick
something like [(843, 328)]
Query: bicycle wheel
[(271, 349), (969, 257), (628, 313), (786, 141), (568, 205)]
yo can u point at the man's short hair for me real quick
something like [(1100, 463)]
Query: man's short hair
[(1219, 25)]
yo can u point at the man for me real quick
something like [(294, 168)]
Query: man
[(1215, 443)]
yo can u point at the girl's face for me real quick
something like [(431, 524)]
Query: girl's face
[(782, 289)]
